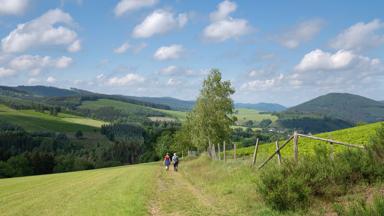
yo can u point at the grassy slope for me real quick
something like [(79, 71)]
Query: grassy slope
[(113, 191), (251, 114), (355, 135), (176, 114), (37, 121)]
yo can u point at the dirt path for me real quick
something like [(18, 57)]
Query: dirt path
[(177, 196)]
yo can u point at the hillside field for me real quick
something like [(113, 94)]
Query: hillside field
[(31, 120), (357, 135), (202, 187), (244, 115)]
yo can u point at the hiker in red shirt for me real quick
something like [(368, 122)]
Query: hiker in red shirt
[(167, 161)]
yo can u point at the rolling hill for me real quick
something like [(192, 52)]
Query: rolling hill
[(264, 107), (37, 121), (139, 189), (355, 135), (347, 107)]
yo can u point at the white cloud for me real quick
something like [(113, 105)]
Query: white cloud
[(224, 27), (122, 48), (51, 79), (303, 32), (129, 79), (50, 29), (360, 36), (320, 60), (4, 72), (169, 52), (172, 69), (262, 84), (32, 81), (335, 70), (131, 5), (173, 82), (159, 22), (35, 64), (75, 46), (13, 7), (223, 10)]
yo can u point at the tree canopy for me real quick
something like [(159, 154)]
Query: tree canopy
[(210, 120)]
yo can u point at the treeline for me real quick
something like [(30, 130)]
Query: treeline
[(311, 123), (24, 153)]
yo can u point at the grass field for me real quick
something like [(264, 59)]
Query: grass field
[(180, 115), (357, 135), (111, 191), (37, 121), (244, 115)]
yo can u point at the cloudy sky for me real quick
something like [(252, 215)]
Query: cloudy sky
[(272, 51)]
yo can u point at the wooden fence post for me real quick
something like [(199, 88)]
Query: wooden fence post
[(255, 152), (278, 153), (218, 150), (332, 151), (234, 151), (214, 152), (295, 145), (224, 153)]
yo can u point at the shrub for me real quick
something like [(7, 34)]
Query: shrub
[(289, 186), (283, 191)]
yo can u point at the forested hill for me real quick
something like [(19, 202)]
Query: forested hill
[(347, 107), (173, 103), (266, 107)]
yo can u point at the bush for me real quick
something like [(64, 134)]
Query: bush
[(282, 191)]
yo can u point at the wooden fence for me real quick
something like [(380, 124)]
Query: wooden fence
[(295, 137)]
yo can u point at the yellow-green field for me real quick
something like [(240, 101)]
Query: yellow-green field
[(37, 121), (357, 135), (244, 115), (111, 191)]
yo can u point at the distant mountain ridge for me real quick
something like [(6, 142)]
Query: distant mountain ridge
[(266, 107), (164, 102), (344, 106)]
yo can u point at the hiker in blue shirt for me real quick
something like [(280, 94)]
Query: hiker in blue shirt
[(175, 160)]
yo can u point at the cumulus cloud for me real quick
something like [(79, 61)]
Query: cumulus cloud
[(13, 7), (127, 80), (342, 68), (173, 82), (35, 64), (360, 36), (122, 48), (125, 6), (169, 52), (159, 22), (32, 81), (4, 72), (51, 79), (302, 32), (224, 27), (262, 84), (50, 29), (320, 60), (173, 70)]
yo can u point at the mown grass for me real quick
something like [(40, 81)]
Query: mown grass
[(36, 121), (357, 135), (244, 115), (122, 190)]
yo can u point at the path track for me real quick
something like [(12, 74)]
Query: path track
[(175, 190)]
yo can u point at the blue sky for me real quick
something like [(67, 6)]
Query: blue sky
[(273, 51)]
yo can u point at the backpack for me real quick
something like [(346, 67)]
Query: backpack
[(175, 159)]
